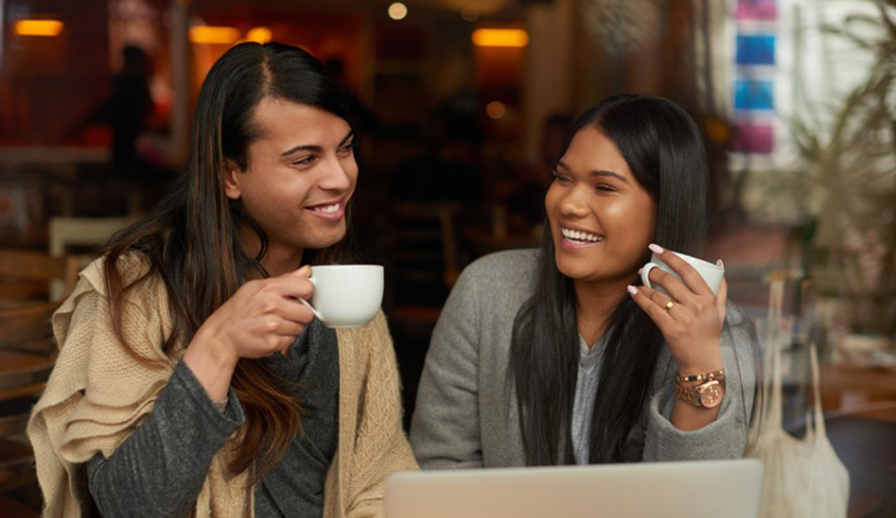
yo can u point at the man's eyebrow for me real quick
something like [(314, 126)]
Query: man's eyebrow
[(315, 148), (599, 172), (305, 147)]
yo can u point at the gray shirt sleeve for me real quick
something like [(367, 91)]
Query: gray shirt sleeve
[(725, 437), (159, 470), (445, 428)]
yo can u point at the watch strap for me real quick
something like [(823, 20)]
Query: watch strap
[(712, 375)]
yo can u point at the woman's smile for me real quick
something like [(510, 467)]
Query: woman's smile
[(574, 239)]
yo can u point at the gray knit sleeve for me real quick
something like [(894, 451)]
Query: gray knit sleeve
[(445, 426), (724, 438), (159, 470)]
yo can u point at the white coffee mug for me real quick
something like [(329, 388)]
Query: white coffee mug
[(711, 273), (346, 295)]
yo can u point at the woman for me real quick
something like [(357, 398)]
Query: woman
[(555, 355), (190, 380)]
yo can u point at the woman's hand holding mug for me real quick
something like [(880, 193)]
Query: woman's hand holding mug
[(685, 297), (262, 318)]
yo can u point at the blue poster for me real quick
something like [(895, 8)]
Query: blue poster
[(751, 94), (755, 49)]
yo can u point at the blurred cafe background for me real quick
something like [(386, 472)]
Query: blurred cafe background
[(462, 106)]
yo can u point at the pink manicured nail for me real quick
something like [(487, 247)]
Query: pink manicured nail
[(640, 270), (631, 289), (657, 249), (720, 263)]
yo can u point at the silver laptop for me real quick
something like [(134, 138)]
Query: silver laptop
[(696, 489)]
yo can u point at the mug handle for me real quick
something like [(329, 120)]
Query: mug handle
[(645, 273), (317, 313)]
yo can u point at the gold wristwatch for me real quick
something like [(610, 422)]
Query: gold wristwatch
[(705, 395)]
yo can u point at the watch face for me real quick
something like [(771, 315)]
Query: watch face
[(711, 394)]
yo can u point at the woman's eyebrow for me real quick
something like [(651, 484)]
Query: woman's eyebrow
[(601, 172), (598, 172)]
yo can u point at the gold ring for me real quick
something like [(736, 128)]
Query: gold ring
[(669, 304)]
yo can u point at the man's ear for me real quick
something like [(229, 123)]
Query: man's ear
[(231, 176)]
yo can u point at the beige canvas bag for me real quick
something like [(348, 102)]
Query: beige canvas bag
[(803, 478)]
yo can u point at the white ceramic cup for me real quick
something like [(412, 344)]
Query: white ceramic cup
[(711, 273), (346, 295)]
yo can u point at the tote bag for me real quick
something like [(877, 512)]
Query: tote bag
[(803, 478)]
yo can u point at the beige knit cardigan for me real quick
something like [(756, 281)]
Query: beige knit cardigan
[(98, 395)]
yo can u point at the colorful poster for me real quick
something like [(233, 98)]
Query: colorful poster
[(755, 49), (756, 10), (750, 94), (753, 138)]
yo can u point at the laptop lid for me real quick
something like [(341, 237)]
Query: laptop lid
[(694, 489)]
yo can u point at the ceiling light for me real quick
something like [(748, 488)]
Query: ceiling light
[(218, 35), (398, 11), (496, 110), (39, 27), (259, 35), (500, 37)]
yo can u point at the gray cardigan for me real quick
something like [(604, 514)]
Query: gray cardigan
[(466, 412)]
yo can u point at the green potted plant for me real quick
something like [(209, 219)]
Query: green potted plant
[(847, 185)]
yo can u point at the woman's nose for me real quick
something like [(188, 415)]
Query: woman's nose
[(338, 174), (573, 203)]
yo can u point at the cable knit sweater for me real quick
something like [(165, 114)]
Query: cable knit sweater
[(98, 395)]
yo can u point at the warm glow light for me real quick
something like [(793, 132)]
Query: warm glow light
[(500, 37), (220, 35), (398, 11), (259, 35), (39, 27), (495, 110)]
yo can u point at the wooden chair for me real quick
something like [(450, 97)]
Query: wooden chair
[(423, 253), (423, 264), (80, 237), (25, 275), (26, 335), (27, 352)]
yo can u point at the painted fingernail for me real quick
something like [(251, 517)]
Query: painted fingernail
[(720, 263), (631, 289), (640, 270), (657, 249)]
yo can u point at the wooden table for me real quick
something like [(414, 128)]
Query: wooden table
[(852, 385)]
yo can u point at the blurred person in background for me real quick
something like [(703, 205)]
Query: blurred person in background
[(130, 109)]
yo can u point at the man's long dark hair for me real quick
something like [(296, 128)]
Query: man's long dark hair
[(191, 238), (664, 149)]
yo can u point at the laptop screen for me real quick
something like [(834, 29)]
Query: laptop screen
[(693, 489)]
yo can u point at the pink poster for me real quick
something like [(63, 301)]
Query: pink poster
[(753, 138), (756, 10)]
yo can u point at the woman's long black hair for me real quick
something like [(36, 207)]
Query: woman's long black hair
[(664, 149)]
